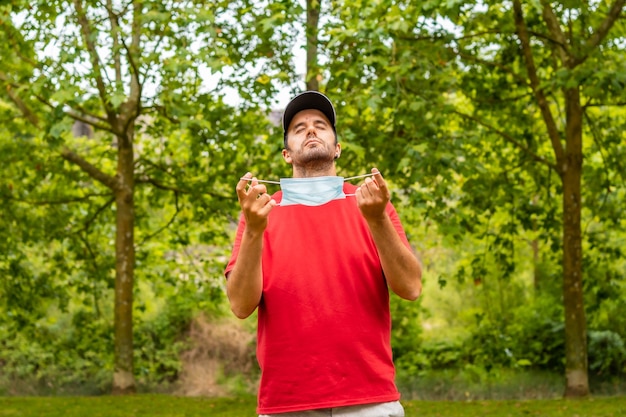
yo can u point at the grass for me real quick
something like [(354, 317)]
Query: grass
[(474, 383), (171, 406)]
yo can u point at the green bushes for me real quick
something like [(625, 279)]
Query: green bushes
[(526, 344), (607, 354), (73, 354), (70, 355)]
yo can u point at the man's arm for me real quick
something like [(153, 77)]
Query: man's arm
[(244, 285), (402, 269)]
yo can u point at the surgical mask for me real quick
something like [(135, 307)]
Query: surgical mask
[(312, 191)]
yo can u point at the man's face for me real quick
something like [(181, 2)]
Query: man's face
[(310, 139)]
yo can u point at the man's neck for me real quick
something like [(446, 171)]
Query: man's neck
[(315, 171)]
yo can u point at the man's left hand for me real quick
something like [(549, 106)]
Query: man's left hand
[(372, 197)]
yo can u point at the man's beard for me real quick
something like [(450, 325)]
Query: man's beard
[(315, 155), (312, 158)]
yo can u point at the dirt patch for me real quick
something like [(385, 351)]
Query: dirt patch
[(220, 361)]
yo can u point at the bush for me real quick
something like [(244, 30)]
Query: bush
[(606, 352)]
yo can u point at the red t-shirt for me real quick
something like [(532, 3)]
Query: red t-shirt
[(324, 326)]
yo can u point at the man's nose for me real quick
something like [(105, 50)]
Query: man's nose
[(311, 130)]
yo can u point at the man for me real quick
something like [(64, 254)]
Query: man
[(317, 259)]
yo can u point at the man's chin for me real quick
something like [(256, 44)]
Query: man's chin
[(312, 158)]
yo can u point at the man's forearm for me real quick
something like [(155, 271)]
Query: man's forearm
[(402, 269), (244, 285)]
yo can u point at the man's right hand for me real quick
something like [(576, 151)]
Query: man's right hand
[(255, 203)]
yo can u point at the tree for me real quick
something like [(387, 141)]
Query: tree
[(135, 73), (313, 8), (504, 91), (558, 48)]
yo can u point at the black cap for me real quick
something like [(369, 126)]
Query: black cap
[(308, 100)]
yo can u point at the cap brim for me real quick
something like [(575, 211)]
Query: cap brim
[(308, 100)]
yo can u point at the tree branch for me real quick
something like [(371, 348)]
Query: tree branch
[(81, 110), (136, 87), (509, 139), (115, 35), (597, 137), (542, 101), (82, 115), (88, 119), (555, 30), (159, 230), (107, 180), (133, 102), (499, 32), (91, 219), (95, 60), (436, 38), (600, 33), (146, 179), (618, 104), (56, 202), (23, 108), (492, 64)]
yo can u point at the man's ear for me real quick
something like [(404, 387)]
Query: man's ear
[(287, 156), (337, 150)]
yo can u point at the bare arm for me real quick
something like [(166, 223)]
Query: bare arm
[(244, 285), (402, 269)]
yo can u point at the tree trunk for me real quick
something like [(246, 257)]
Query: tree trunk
[(577, 380), (312, 20), (123, 377)]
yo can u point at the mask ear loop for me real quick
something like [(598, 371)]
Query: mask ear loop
[(265, 181), (359, 176), (278, 182), (355, 177)]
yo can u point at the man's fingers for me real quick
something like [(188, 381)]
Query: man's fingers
[(378, 178), (371, 184), (262, 196), (241, 185), (373, 192), (363, 191), (264, 211), (257, 190), (249, 186)]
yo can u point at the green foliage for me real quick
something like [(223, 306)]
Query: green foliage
[(59, 355), (532, 338), (433, 93), (607, 354), (438, 95), (406, 334), (260, 38), (189, 148)]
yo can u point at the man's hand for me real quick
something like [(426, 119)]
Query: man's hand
[(255, 203), (402, 269), (372, 197)]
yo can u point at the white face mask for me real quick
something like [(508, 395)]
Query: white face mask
[(313, 191)]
